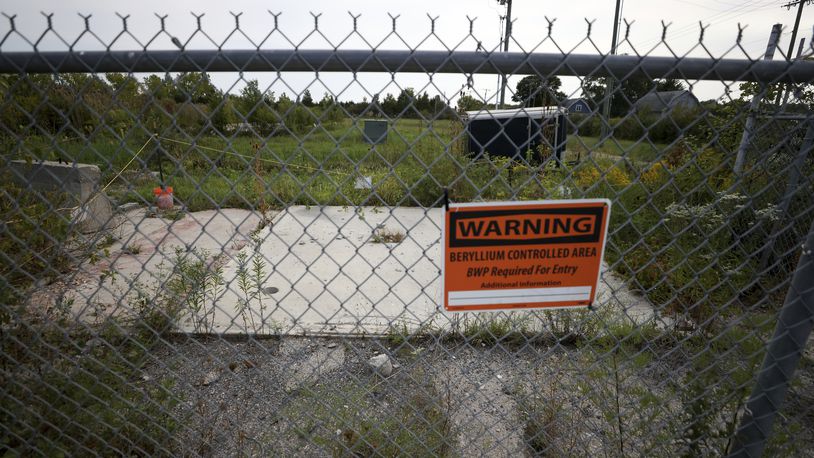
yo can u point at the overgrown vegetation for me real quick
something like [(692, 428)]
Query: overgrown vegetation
[(75, 389), (34, 235)]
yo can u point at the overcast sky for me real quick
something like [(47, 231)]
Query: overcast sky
[(413, 27)]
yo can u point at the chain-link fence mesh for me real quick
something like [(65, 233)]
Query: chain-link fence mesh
[(247, 268)]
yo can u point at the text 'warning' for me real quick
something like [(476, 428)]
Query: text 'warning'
[(523, 255)]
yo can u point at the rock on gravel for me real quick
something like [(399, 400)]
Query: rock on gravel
[(310, 362), (381, 365), (211, 377)]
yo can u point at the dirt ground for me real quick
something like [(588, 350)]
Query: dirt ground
[(318, 397)]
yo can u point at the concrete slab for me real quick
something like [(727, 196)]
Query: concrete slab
[(81, 182), (332, 277), (313, 270), (141, 256)]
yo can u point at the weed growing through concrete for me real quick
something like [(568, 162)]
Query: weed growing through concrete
[(385, 235), (133, 248), (250, 281), (244, 283), (197, 283)]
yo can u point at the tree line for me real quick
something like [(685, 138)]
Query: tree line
[(81, 104)]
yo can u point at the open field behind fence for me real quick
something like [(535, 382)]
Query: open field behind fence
[(288, 302)]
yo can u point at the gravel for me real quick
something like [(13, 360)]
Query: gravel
[(308, 396)]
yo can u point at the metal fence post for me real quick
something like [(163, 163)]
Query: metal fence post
[(785, 349), (791, 189), (749, 127)]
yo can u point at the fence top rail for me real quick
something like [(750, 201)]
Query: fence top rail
[(392, 61)]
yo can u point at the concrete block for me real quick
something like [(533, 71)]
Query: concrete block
[(81, 182)]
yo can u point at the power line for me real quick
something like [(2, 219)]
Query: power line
[(797, 2), (723, 16)]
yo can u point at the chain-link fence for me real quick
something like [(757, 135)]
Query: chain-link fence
[(198, 261)]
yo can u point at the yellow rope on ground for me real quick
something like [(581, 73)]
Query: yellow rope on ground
[(244, 156), (126, 165), (41, 252)]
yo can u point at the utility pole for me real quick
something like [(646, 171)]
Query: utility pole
[(508, 35), (788, 6), (609, 87), (800, 4)]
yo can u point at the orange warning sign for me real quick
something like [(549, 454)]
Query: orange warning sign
[(523, 255)]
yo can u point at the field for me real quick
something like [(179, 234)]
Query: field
[(324, 166), (320, 167)]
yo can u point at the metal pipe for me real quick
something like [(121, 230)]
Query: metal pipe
[(785, 349), (787, 88), (749, 127), (792, 187), (457, 62)]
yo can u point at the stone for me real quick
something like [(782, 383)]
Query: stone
[(332, 345), (211, 377), (381, 365), (364, 182)]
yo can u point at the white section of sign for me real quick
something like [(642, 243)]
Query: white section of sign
[(519, 296)]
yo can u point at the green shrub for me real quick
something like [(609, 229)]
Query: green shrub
[(35, 230)]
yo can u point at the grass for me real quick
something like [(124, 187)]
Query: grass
[(490, 331), (75, 392), (320, 167), (640, 151)]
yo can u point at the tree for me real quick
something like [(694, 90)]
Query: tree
[(195, 87), (405, 100), (423, 103), (468, 103), (624, 95), (798, 94), (326, 101), (669, 85), (306, 99), (158, 88), (534, 91), (390, 105), (126, 89), (254, 106)]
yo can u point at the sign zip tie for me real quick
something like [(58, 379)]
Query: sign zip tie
[(446, 199)]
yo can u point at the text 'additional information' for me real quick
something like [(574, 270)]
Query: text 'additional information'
[(523, 255)]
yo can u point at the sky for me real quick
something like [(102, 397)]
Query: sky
[(333, 27)]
